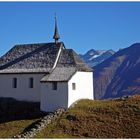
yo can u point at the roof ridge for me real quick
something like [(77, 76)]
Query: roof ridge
[(36, 43), (58, 56)]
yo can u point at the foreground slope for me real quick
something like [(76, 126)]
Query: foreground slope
[(98, 119), (119, 75)]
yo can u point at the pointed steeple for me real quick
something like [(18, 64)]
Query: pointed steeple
[(56, 36)]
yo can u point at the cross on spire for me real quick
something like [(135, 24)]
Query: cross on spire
[(56, 36)]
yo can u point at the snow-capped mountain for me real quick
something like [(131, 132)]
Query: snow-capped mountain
[(95, 57)]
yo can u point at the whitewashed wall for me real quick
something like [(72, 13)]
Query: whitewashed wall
[(54, 99), (84, 87), (65, 96), (22, 92)]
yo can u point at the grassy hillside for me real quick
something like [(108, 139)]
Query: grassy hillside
[(88, 119), (98, 119), (9, 129)]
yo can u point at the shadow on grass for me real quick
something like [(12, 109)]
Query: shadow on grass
[(11, 109)]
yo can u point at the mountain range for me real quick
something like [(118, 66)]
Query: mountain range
[(119, 75), (95, 57)]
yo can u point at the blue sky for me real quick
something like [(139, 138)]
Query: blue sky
[(82, 25)]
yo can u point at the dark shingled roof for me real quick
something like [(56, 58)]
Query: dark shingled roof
[(60, 74), (69, 58), (30, 57), (41, 58), (69, 62)]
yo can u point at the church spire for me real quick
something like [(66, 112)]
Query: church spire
[(56, 36)]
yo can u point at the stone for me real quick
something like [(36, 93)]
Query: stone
[(71, 118), (42, 124), (33, 129), (46, 117), (37, 125)]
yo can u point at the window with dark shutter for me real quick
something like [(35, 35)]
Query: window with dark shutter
[(31, 82), (54, 85), (14, 83)]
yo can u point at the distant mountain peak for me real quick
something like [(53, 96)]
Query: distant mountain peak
[(94, 57), (111, 51), (90, 52)]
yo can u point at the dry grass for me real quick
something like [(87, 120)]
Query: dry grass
[(9, 129), (88, 119), (98, 119)]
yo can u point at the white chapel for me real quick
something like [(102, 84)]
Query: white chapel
[(47, 73)]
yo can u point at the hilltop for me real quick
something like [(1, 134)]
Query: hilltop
[(98, 119)]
